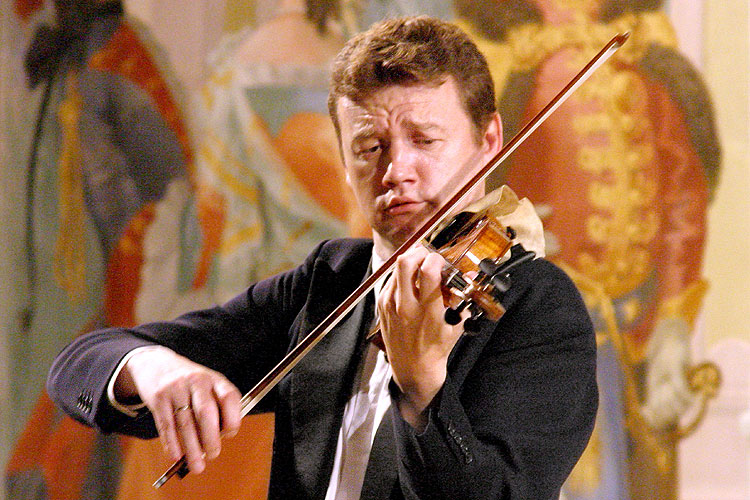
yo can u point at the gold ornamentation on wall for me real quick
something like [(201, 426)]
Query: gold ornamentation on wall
[(624, 221), (527, 45), (69, 267)]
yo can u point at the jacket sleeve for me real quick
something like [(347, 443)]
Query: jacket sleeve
[(519, 403), (243, 339)]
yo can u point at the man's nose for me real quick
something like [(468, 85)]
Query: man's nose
[(401, 168)]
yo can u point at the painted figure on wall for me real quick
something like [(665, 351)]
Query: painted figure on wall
[(270, 186), (109, 142), (268, 153), (624, 172)]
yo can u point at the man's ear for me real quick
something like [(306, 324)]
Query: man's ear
[(493, 135)]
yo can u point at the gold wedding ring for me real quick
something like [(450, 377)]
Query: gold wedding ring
[(181, 408)]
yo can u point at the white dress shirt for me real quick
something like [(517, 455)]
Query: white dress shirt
[(362, 415)]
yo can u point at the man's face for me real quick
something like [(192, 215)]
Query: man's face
[(407, 150)]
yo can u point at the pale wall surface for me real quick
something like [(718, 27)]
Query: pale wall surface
[(715, 461), (726, 54)]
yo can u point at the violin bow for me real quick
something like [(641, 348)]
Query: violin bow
[(264, 386)]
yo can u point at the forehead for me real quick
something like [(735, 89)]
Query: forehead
[(414, 105)]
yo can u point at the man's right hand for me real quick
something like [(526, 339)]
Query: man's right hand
[(193, 406)]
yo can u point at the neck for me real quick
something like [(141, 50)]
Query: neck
[(382, 247)]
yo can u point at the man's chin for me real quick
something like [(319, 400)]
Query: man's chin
[(399, 231), (399, 237)]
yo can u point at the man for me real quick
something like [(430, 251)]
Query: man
[(504, 413)]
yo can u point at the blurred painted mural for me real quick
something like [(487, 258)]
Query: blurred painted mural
[(107, 141), (623, 174), (134, 200)]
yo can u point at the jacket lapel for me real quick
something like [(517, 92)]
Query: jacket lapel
[(467, 350), (320, 386)]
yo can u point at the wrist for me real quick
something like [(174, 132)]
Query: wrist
[(123, 388), (413, 406), (122, 391)]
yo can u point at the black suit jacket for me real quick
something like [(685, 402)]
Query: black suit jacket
[(514, 415)]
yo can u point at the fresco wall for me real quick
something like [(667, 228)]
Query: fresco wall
[(205, 224)]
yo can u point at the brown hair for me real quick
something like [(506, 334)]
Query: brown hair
[(413, 50)]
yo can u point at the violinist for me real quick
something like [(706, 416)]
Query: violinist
[(439, 414)]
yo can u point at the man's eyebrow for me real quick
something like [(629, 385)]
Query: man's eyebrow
[(423, 126), (365, 130)]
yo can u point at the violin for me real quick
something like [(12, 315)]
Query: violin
[(476, 275), (474, 292)]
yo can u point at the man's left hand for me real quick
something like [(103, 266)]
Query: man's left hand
[(416, 336)]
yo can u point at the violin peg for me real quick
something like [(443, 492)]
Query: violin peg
[(472, 324), (453, 316), (501, 282)]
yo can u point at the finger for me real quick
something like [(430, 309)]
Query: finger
[(388, 284), (430, 277), (407, 272), (385, 296), (188, 435), (228, 397), (164, 418), (206, 419)]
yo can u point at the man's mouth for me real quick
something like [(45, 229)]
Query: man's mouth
[(400, 206)]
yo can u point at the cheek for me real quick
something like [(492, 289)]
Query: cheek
[(361, 177), (361, 186), (438, 173), (466, 163)]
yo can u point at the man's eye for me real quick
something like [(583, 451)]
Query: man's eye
[(425, 141), (368, 149)]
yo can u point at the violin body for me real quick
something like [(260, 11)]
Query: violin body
[(474, 246), (465, 244)]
